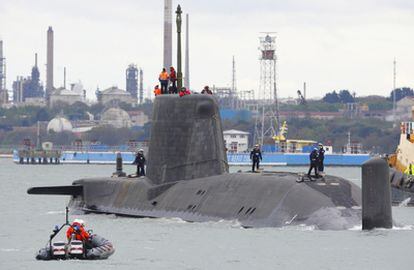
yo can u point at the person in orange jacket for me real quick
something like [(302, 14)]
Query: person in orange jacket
[(78, 229), (157, 90), (164, 80)]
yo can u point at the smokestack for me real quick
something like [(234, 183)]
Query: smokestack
[(304, 90), (3, 92), (35, 59), (141, 86), (64, 78), (2, 76), (187, 53), (167, 33), (49, 65)]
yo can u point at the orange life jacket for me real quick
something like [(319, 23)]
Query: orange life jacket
[(80, 235), (164, 76), (157, 91)]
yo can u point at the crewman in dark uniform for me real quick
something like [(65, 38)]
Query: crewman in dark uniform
[(256, 157), (313, 162), (140, 162), (321, 157)]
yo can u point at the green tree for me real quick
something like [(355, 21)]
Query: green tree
[(401, 93), (42, 115), (331, 97), (345, 96)]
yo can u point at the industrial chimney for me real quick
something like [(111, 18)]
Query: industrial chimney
[(49, 65), (167, 34), (2, 68)]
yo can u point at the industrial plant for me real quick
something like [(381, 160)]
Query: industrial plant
[(259, 115)]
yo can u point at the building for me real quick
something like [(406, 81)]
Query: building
[(62, 95), (113, 96), (355, 110), (34, 101), (29, 87), (131, 75), (313, 115), (59, 124), (138, 118), (4, 97), (403, 108), (117, 118), (236, 141)]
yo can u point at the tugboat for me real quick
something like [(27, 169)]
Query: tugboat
[(94, 248), (402, 180)]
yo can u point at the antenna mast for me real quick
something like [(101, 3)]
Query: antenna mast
[(234, 86), (3, 91), (268, 100), (394, 98)]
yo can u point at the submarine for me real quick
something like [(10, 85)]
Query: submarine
[(188, 177)]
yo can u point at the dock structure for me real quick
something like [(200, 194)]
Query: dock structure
[(39, 156)]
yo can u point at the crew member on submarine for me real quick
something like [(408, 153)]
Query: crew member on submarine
[(321, 157), (313, 162), (140, 162), (256, 157)]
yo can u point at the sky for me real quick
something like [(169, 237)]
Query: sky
[(329, 44)]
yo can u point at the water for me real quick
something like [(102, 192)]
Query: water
[(27, 220)]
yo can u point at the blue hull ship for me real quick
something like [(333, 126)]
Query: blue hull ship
[(235, 159)]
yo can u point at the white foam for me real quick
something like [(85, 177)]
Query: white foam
[(394, 228), (9, 250), (405, 202), (55, 212), (300, 227), (356, 228), (403, 228)]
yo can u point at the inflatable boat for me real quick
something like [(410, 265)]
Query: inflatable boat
[(95, 247), (98, 248)]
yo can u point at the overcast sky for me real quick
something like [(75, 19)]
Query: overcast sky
[(330, 44)]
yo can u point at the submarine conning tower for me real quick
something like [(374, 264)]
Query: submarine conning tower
[(186, 140)]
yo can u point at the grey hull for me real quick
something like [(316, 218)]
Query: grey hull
[(254, 200)]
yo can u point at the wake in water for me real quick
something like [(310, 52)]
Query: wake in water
[(405, 202), (9, 250), (55, 213)]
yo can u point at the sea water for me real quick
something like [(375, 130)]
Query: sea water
[(26, 222)]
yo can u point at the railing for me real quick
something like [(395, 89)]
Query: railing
[(81, 148), (407, 128)]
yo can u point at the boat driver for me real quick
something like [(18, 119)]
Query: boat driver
[(78, 230)]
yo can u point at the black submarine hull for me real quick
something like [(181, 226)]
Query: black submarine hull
[(271, 200)]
